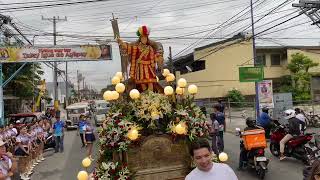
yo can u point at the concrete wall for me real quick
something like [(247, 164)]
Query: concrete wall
[(222, 71), (222, 67)]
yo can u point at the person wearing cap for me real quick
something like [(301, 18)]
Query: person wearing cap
[(8, 164), (82, 123), (58, 132)]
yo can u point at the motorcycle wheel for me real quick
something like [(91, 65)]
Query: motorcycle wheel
[(262, 173), (274, 149)]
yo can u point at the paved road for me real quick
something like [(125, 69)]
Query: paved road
[(290, 169), (62, 166), (65, 166)]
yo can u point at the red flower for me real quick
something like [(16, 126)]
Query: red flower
[(121, 127), (112, 171), (117, 121)]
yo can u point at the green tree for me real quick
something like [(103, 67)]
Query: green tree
[(299, 68), (236, 98), (23, 84)]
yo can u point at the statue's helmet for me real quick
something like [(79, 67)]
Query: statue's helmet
[(143, 31)]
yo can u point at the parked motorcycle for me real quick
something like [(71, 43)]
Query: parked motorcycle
[(313, 151), (296, 147)]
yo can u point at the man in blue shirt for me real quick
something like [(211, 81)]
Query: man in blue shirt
[(58, 130), (222, 124), (265, 121), (82, 123)]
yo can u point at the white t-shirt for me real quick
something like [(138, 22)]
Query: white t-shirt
[(219, 171), (4, 170), (301, 117)]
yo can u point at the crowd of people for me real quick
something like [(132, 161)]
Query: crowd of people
[(22, 147)]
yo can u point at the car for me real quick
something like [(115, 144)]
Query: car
[(101, 109), (73, 114), (100, 116), (22, 119)]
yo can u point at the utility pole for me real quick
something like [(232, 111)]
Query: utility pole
[(55, 71), (67, 84), (310, 9), (254, 59), (78, 82), (170, 61)]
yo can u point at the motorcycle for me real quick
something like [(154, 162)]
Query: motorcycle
[(313, 151), (256, 158), (296, 147)]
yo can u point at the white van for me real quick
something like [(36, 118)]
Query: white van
[(101, 109), (73, 113)]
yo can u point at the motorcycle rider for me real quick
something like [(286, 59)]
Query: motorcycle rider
[(301, 117), (294, 130), (251, 125), (265, 121)]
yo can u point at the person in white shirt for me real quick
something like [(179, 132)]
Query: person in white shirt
[(301, 117), (206, 169), (7, 163)]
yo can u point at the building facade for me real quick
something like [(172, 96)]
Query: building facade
[(214, 68)]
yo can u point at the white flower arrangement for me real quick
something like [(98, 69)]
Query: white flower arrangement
[(150, 107)]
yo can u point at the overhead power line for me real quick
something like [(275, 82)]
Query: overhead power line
[(23, 8), (208, 34), (32, 2)]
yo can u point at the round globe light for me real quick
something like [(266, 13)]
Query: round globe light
[(115, 95), (133, 134), (83, 175), (193, 89), (223, 157), (165, 72), (170, 77), (86, 162), (115, 80), (179, 90), (134, 94), (107, 95), (119, 75), (168, 90), (120, 87), (180, 129), (182, 82)]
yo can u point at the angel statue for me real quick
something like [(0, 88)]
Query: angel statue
[(145, 59)]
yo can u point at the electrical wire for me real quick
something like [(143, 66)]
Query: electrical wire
[(198, 41), (24, 8)]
